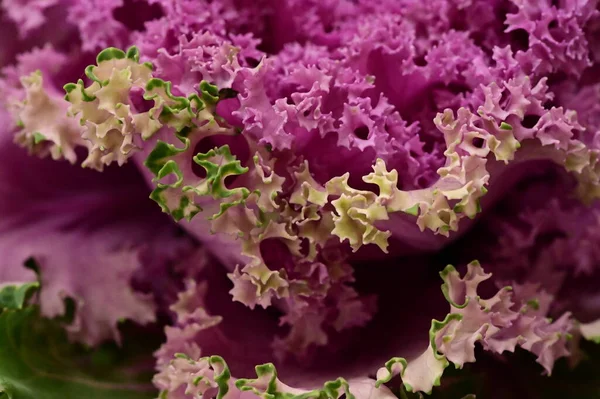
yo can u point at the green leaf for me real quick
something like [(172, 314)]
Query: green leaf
[(413, 210), (268, 373), (133, 53), (15, 296), (38, 362), (38, 137), (111, 53), (210, 93), (219, 164)]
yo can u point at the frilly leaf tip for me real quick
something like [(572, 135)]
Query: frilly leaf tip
[(111, 53)]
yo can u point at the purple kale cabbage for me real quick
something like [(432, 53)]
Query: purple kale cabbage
[(317, 165)]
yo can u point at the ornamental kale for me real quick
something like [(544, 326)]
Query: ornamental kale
[(257, 198)]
